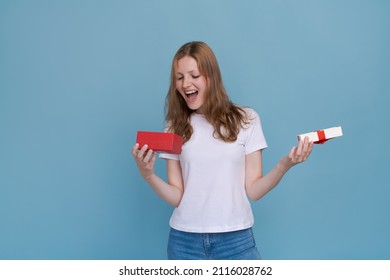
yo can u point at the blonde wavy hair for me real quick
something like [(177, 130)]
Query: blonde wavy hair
[(226, 117)]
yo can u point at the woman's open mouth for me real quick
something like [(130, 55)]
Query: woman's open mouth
[(191, 95)]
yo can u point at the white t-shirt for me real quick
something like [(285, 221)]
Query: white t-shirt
[(214, 198)]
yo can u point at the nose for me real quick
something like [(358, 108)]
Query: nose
[(186, 82)]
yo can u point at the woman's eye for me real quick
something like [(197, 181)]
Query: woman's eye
[(195, 77), (179, 78)]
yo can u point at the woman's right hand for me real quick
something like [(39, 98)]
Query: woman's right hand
[(145, 160)]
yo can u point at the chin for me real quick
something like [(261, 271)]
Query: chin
[(193, 107)]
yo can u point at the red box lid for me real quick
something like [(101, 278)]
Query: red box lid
[(160, 141)]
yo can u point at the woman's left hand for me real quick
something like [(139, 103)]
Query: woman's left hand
[(299, 154)]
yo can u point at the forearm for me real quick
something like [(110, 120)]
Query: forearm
[(167, 192), (257, 185), (261, 186)]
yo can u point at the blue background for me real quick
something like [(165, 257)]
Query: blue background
[(79, 78)]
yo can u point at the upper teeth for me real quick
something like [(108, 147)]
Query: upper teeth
[(190, 92)]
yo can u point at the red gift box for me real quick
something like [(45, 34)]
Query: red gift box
[(160, 141), (321, 136)]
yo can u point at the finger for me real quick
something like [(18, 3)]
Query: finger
[(148, 156), (299, 149), (154, 157), (292, 152), (134, 150), (310, 148), (144, 148), (305, 146), (141, 152)]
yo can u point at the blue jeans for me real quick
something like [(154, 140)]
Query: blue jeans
[(235, 245)]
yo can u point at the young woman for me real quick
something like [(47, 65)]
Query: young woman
[(220, 165)]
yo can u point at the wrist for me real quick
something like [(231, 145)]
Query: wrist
[(283, 165), (149, 176)]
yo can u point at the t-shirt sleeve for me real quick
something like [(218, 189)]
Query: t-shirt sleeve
[(255, 139), (168, 156)]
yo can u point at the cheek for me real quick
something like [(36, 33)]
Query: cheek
[(205, 88), (178, 87)]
